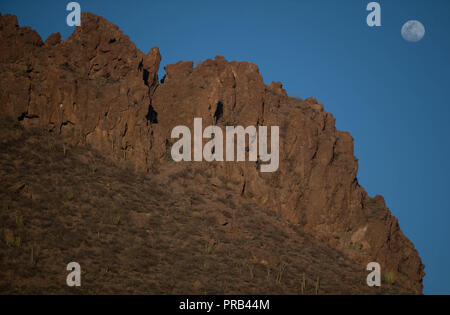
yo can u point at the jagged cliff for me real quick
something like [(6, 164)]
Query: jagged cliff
[(97, 89)]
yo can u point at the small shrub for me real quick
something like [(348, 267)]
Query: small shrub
[(303, 284), (281, 270), (389, 278), (209, 247), (205, 267), (68, 196), (104, 271), (336, 156), (19, 222), (317, 286), (115, 219), (79, 170), (34, 255), (251, 271), (93, 168), (64, 149), (15, 242)]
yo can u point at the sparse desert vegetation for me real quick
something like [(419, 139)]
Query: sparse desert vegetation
[(159, 233)]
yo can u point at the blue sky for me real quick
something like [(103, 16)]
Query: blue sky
[(391, 95)]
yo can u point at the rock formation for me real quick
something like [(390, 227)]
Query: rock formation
[(96, 88)]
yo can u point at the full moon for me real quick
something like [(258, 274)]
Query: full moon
[(413, 31)]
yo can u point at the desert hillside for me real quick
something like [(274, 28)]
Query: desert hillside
[(172, 231), (87, 176)]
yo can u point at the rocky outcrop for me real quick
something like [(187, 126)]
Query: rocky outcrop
[(97, 88)]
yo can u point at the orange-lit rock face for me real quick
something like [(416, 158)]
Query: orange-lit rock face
[(97, 88)]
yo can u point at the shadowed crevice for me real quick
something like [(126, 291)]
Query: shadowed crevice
[(152, 115)]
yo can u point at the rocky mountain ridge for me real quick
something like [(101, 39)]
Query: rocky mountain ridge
[(96, 88)]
